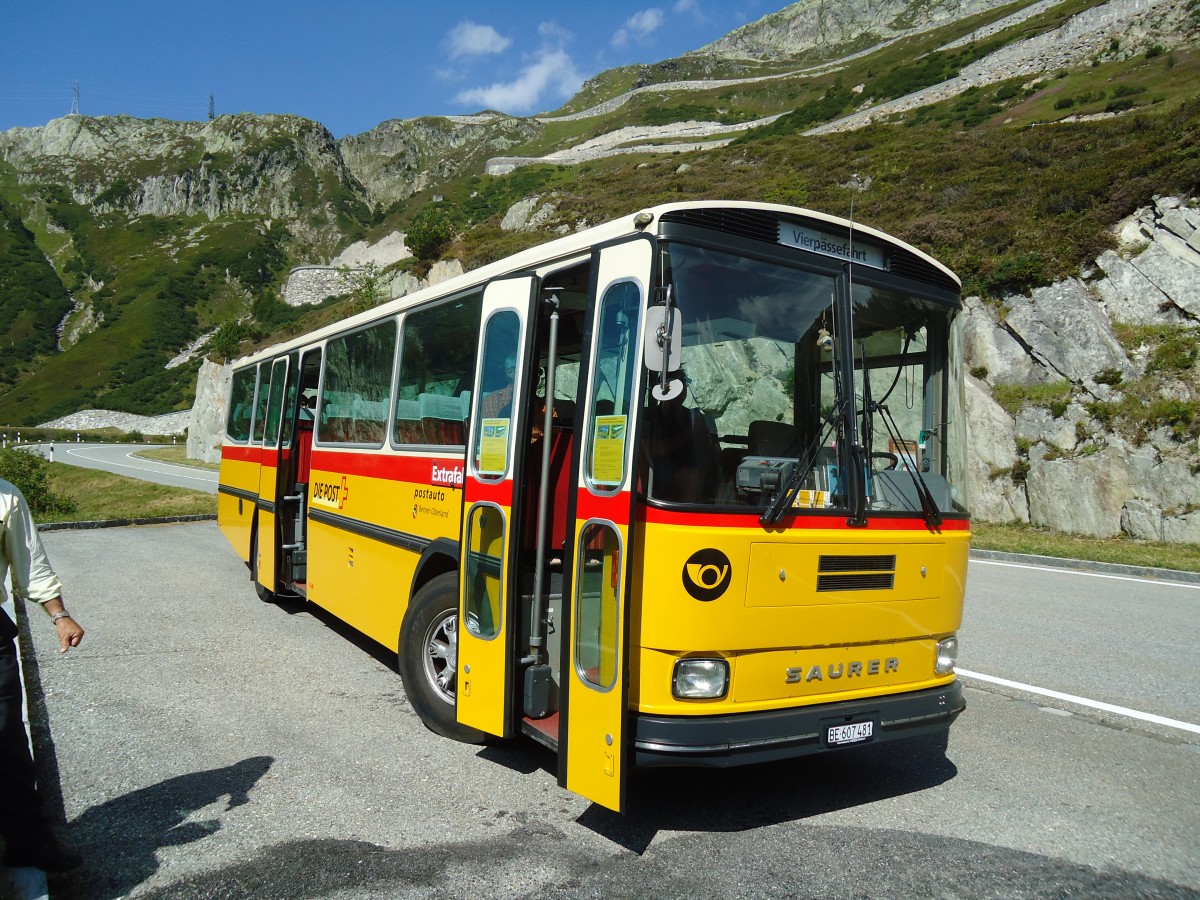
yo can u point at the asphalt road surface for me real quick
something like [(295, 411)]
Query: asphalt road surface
[(121, 460), (204, 744)]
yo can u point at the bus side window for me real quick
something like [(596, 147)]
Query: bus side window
[(356, 389), (437, 366)]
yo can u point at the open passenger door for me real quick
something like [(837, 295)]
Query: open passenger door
[(593, 744), (486, 567), (266, 541)]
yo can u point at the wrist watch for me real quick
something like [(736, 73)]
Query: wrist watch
[(59, 615)]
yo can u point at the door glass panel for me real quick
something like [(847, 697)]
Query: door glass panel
[(289, 400), (484, 570), (620, 325), (275, 406), (260, 403), (241, 405), (598, 605), (493, 428)]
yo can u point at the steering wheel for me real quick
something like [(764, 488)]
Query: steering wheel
[(893, 460)]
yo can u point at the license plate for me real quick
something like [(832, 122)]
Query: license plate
[(855, 733)]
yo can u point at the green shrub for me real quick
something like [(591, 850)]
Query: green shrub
[(30, 472), (429, 234)]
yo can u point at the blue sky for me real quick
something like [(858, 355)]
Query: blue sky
[(348, 65)]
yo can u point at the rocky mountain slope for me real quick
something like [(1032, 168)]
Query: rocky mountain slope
[(830, 28)]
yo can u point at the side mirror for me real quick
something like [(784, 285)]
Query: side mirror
[(663, 342), (663, 339)]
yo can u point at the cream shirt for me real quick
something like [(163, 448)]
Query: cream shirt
[(21, 551)]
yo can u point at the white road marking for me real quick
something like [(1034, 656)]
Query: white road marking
[(1067, 571), (1083, 701)]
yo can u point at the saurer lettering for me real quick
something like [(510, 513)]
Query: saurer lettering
[(834, 671)]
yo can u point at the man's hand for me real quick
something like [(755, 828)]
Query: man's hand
[(70, 633)]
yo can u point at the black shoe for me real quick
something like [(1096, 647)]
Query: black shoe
[(51, 857)]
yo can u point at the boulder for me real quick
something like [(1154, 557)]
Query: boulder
[(992, 495), (990, 346), (1070, 334), (206, 427), (1083, 495)]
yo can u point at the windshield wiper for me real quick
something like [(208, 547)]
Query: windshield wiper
[(929, 507)]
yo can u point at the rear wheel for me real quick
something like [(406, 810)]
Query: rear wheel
[(428, 654)]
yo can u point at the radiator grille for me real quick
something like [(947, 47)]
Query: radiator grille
[(858, 563), (856, 573), (858, 581)]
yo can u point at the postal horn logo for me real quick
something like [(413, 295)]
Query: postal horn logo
[(706, 574)]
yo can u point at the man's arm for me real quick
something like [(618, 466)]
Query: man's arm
[(32, 575)]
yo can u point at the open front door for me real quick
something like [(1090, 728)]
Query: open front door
[(593, 745), (486, 571)]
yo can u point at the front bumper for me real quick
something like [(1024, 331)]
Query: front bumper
[(746, 738)]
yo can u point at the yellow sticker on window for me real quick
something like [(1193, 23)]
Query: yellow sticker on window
[(493, 446), (608, 450)]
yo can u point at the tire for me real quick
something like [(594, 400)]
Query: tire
[(264, 595), (428, 656)]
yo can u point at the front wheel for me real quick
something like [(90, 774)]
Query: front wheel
[(428, 654)]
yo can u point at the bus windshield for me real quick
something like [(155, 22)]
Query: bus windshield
[(777, 387)]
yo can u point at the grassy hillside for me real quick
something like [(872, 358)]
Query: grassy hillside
[(158, 249), (32, 298)]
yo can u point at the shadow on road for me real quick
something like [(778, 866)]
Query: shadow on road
[(120, 839), (744, 798)]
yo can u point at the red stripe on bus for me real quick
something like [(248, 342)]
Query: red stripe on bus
[(614, 508), (655, 516), (444, 471), (239, 453), (500, 493)]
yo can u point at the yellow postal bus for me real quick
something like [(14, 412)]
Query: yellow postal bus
[(686, 488)]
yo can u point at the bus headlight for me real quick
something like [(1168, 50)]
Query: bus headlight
[(947, 656), (700, 679)]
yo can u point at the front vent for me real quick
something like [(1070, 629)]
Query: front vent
[(856, 573), (748, 223), (908, 265)]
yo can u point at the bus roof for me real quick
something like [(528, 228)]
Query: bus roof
[(559, 250)]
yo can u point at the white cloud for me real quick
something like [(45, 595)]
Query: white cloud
[(473, 39), (690, 7), (555, 34), (639, 26), (551, 72)]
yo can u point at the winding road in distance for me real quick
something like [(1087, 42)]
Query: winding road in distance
[(121, 459)]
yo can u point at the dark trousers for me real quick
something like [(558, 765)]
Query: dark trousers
[(21, 818)]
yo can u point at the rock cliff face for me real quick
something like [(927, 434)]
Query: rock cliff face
[(398, 158), (1065, 464), (276, 167), (824, 24)]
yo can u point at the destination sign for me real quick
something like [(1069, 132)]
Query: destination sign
[(829, 245)]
